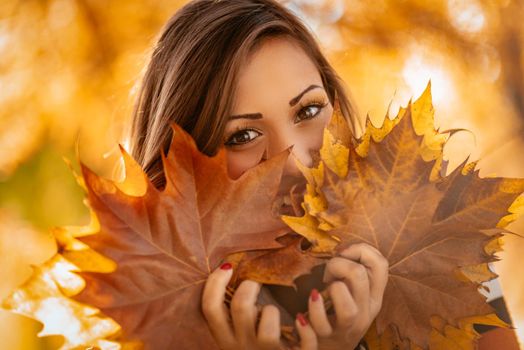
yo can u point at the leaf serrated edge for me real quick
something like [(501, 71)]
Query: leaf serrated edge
[(52, 284), (431, 148)]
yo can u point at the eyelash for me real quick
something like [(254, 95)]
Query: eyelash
[(244, 128), (313, 103)]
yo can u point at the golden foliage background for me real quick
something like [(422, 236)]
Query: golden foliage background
[(68, 70)]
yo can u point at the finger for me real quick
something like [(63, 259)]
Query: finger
[(377, 265), (269, 327), (346, 309), (213, 307), (354, 275), (317, 315), (244, 311), (308, 338)]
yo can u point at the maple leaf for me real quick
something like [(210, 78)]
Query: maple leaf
[(438, 232), (163, 244)]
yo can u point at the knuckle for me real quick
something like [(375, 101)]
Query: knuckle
[(210, 309), (336, 266), (359, 271), (383, 262), (333, 262), (352, 313), (345, 322), (365, 248), (339, 261), (271, 310), (324, 332), (241, 301), (239, 304), (336, 286), (211, 306), (349, 316), (355, 247), (360, 245), (369, 247)]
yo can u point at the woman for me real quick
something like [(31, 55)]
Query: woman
[(249, 76)]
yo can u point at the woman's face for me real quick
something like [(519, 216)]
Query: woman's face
[(280, 101)]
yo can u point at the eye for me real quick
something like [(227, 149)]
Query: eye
[(309, 111), (242, 136)]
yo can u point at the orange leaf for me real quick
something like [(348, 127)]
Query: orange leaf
[(165, 244)]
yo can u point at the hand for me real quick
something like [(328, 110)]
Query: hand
[(357, 282), (241, 333)]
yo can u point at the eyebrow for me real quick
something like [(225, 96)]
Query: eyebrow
[(246, 116), (297, 98), (292, 102)]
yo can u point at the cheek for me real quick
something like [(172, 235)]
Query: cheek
[(238, 162)]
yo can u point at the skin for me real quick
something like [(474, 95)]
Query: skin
[(276, 73)]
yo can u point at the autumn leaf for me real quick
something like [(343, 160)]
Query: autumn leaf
[(438, 232), (276, 266), (162, 245), (45, 296), (135, 274)]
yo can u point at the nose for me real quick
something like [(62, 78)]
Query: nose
[(298, 151)]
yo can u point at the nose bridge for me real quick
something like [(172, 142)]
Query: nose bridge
[(283, 139), (277, 143)]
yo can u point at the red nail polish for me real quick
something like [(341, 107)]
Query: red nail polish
[(314, 294), (226, 266), (301, 319)]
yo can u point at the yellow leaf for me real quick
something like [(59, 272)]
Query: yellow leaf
[(307, 226), (44, 297), (335, 155)]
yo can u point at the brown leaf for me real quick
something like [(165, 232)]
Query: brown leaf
[(277, 266), (389, 192), (165, 243)]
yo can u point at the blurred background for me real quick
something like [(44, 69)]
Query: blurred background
[(68, 70)]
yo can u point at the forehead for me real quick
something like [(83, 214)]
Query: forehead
[(278, 69)]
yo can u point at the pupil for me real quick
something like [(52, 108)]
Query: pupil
[(243, 137)]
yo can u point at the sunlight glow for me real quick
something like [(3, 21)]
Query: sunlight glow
[(417, 72), (466, 16), (320, 16), (4, 36)]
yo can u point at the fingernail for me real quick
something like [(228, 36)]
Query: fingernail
[(301, 319), (226, 266), (314, 294)]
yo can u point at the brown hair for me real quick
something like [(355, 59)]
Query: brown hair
[(191, 76)]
